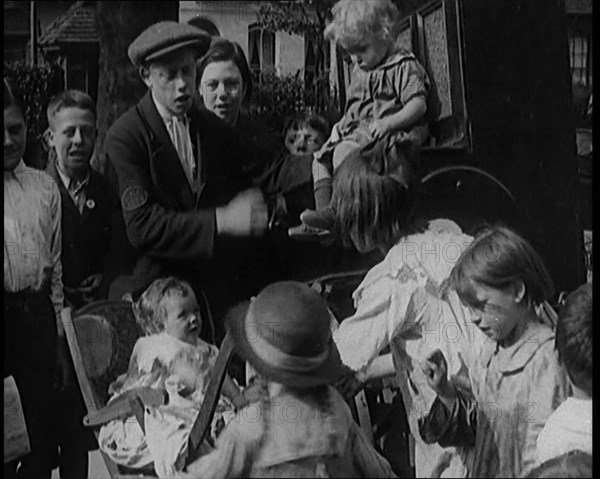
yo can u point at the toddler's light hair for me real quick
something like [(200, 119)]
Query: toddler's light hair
[(149, 311), (355, 21)]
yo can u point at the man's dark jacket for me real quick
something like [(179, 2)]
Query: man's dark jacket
[(172, 226)]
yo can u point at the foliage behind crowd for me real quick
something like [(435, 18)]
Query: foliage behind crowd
[(275, 97), (36, 85)]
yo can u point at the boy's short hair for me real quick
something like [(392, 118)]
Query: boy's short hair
[(574, 339), (70, 99), (354, 21), (309, 120), (149, 311)]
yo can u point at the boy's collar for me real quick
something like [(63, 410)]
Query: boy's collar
[(70, 182)]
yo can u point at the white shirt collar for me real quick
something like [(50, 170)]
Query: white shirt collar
[(67, 181), (16, 172)]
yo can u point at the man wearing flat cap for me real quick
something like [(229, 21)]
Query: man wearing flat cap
[(186, 201)]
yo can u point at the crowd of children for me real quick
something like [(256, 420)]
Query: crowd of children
[(511, 396)]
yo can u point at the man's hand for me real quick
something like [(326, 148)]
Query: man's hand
[(245, 215), (378, 128), (64, 365)]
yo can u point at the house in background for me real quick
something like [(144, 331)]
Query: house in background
[(236, 21), (71, 41), (66, 35), (579, 25), (17, 24)]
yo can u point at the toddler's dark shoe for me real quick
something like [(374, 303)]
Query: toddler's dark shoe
[(320, 219)]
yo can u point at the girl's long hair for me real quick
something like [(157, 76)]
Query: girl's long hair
[(373, 198), (498, 258)]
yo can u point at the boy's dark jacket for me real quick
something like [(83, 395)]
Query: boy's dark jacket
[(171, 225), (85, 236)]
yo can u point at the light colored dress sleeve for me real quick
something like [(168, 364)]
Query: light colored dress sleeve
[(417, 262), (381, 301)]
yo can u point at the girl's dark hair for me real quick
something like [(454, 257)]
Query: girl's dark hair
[(373, 197), (307, 119), (574, 338), (497, 258), (222, 50)]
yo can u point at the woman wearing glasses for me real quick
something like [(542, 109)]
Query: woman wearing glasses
[(224, 84)]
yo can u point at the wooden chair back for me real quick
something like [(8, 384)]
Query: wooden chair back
[(101, 337)]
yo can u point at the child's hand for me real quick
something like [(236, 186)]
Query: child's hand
[(435, 369), (379, 128)]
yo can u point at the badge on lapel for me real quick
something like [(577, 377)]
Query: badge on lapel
[(90, 204)]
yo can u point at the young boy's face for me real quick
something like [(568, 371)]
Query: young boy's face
[(15, 137), (183, 320), (72, 134), (303, 140), (496, 311)]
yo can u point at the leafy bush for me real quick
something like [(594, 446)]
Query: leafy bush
[(35, 85), (275, 97)]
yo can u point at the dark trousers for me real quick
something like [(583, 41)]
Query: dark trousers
[(30, 339), (74, 440)]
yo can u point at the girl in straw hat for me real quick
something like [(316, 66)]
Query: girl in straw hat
[(301, 426)]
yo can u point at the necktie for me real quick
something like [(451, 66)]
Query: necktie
[(182, 145)]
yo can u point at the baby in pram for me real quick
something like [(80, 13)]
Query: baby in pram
[(171, 358)]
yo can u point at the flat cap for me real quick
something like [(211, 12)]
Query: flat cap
[(166, 37)]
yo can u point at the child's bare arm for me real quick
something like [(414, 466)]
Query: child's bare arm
[(412, 112)]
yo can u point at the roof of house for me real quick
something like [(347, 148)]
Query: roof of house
[(76, 25)]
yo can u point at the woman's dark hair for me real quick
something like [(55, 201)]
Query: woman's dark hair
[(373, 197), (222, 50)]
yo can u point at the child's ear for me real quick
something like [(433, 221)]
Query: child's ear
[(519, 291)]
